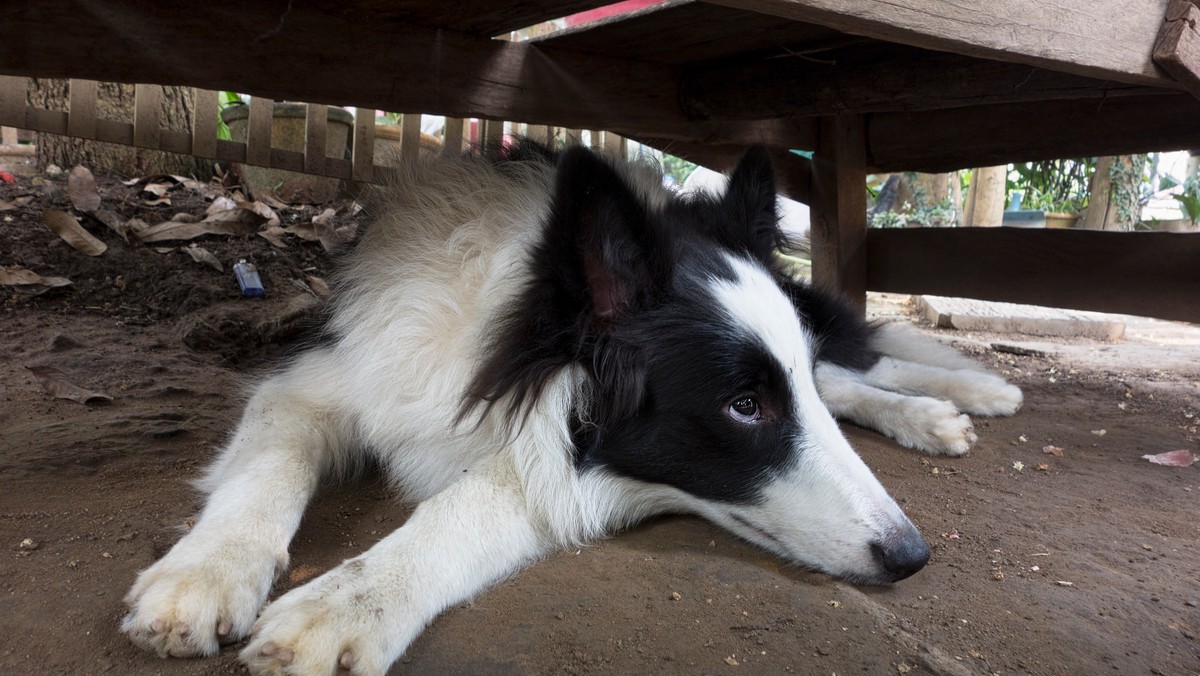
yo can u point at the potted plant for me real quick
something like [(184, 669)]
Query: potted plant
[(1060, 212), (288, 133)]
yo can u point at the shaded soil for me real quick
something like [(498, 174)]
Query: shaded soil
[(1084, 563)]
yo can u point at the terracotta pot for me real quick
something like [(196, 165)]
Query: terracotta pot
[(1056, 219)]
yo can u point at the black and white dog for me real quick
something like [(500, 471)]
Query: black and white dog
[(542, 349)]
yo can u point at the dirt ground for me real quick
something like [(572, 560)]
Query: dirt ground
[(1084, 563)]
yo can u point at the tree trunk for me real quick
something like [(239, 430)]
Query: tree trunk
[(1112, 196), (985, 197), (115, 102)]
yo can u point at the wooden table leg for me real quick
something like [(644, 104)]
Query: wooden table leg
[(839, 208)]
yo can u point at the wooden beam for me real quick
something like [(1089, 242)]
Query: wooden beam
[(838, 208), (875, 78), (1178, 48), (979, 136), (1152, 274), (1106, 39), (410, 67)]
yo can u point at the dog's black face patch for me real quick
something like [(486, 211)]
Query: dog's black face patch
[(669, 305), (717, 418)]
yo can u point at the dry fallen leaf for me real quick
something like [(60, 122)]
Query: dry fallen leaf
[(274, 235), (1053, 450), (114, 221), (318, 286), (231, 222), (81, 188), (57, 383), (29, 282), (202, 255), (1180, 458), (65, 226)]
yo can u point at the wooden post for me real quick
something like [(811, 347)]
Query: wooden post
[(839, 208), (147, 108), (316, 133), (204, 125), (454, 135), (258, 131), (363, 156), (410, 137), (82, 107)]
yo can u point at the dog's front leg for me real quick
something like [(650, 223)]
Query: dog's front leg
[(363, 614)]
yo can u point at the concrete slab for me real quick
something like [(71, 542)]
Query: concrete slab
[(975, 315)]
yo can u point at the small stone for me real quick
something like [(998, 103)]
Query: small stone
[(676, 596), (731, 661), (29, 545)]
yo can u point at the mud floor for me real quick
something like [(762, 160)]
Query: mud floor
[(1084, 563)]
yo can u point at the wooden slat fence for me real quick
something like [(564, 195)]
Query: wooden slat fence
[(147, 131)]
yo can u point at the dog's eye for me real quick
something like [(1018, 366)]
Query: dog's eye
[(745, 410)]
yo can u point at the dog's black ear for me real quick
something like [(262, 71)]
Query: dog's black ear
[(749, 207), (601, 238)]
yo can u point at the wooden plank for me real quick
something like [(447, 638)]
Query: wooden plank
[(8, 136), (453, 138), (54, 122), (482, 17), (443, 72), (363, 157), (147, 111), (231, 151), (1106, 39), (410, 137), (205, 113), (1152, 274), (838, 205), (82, 109), (113, 131), (981, 136), (1178, 48), (493, 134), (258, 131), (688, 32), (316, 131), (12, 101), (875, 77)]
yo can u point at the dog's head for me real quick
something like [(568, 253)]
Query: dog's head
[(701, 370)]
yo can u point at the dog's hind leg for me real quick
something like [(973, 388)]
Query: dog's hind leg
[(923, 423), (362, 615), (209, 588), (973, 391)]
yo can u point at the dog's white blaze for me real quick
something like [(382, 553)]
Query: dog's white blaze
[(827, 508)]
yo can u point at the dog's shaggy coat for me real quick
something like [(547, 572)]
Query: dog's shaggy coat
[(541, 349)]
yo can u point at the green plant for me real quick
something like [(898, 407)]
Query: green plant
[(677, 168), (1189, 201), (1051, 203), (1052, 185), (226, 100)]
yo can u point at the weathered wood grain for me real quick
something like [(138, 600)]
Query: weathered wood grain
[(1107, 39), (1151, 274), (875, 77), (838, 208), (1178, 48)]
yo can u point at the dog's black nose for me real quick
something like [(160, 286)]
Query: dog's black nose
[(902, 554)]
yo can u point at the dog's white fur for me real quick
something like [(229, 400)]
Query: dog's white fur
[(416, 300)]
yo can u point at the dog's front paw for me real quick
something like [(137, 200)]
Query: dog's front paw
[(937, 427), (337, 622), (199, 596)]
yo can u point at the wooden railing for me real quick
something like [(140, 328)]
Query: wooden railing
[(146, 130)]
